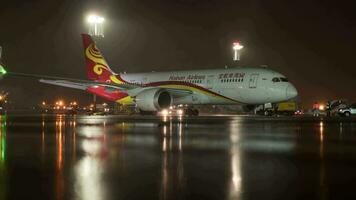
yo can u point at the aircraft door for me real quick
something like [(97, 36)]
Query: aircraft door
[(253, 80), (210, 81), (144, 80)]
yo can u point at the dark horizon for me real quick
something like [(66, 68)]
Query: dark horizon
[(309, 42)]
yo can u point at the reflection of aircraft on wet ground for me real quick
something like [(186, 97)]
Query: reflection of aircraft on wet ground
[(155, 91)]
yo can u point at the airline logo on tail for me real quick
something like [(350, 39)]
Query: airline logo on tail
[(94, 55), (97, 67)]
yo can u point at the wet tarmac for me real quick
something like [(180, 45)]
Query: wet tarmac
[(213, 157)]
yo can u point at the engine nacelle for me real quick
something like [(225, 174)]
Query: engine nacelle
[(153, 99)]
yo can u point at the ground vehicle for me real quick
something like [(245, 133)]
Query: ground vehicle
[(283, 108), (348, 111), (333, 107)]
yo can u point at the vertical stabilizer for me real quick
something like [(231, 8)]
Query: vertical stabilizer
[(97, 67)]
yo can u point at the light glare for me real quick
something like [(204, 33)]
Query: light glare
[(237, 46), (95, 19)]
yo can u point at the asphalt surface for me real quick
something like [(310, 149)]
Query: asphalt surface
[(209, 157)]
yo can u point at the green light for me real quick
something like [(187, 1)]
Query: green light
[(2, 70)]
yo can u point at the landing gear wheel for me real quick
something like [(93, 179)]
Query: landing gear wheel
[(266, 113), (195, 112)]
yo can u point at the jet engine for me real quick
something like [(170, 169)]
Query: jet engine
[(153, 99)]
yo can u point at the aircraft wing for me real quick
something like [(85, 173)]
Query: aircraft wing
[(128, 88), (83, 85), (74, 83), (65, 83), (132, 89)]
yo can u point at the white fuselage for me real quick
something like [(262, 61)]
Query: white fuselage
[(222, 86)]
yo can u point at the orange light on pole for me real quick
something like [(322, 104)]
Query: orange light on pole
[(321, 107)]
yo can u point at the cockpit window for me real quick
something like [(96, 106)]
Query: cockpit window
[(284, 79), (280, 79), (275, 79)]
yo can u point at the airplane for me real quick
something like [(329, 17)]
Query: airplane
[(154, 91)]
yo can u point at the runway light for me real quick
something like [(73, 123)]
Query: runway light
[(180, 112)]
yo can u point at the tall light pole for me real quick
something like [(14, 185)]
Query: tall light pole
[(96, 25), (236, 46), (96, 28)]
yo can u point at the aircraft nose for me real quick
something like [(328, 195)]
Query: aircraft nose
[(291, 92)]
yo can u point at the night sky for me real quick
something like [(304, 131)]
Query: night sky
[(311, 42)]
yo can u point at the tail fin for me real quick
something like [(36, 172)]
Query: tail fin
[(97, 67)]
